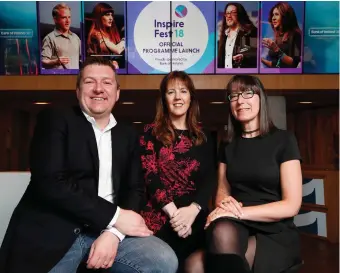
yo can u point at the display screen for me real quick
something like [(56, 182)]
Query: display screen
[(60, 37), (281, 38)]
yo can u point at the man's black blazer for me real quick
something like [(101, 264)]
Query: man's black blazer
[(61, 199)]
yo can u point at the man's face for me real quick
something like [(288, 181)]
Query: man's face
[(63, 20), (98, 90), (231, 16)]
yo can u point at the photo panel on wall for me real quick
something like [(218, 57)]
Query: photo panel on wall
[(104, 31), (19, 49), (193, 36), (321, 44), (60, 37), (237, 32), (156, 37), (167, 36), (281, 49), (149, 37)]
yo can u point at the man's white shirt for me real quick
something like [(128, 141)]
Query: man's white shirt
[(105, 183)]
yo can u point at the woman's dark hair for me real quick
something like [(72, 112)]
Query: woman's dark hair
[(289, 24), (244, 21), (163, 128), (242, 83)]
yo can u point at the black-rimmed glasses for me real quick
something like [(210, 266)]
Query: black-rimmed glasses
[(247, 94)]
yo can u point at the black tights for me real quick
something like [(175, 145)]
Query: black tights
[(227, 248)]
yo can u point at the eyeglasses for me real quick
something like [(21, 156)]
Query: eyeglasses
[(248, 94), (232, 13)]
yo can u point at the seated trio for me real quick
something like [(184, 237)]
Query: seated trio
[(104, 198)]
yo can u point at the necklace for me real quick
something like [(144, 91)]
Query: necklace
[(179, 135), (250, 132)]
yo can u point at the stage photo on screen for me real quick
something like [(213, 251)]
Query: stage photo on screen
[(104, 31), (60, 37), (237, 34), (19, 50), (321, 45), (281, 37)]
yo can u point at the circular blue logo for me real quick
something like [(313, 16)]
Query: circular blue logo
[(181, 11)]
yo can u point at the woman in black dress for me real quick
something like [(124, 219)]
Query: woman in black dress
[(178, 159), (259, 189)]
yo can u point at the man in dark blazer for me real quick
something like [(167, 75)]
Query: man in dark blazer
[(85, 191)]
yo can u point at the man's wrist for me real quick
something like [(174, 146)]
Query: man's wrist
[(113, 234), (116, 232)]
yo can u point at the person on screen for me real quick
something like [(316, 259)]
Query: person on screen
[(237, 46), (178, 160), (86, 189), (61, 48), (104, 37), (285, 48)]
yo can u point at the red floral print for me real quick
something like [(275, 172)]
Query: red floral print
[(167, 176)]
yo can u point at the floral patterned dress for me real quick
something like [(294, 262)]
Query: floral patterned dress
[(181, 173)]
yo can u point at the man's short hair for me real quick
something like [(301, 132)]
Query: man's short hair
[(55, 11), (95, 60)]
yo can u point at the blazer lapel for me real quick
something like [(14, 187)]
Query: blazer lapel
[(115, 144), (88, 133), (92, 143), (237, 46)]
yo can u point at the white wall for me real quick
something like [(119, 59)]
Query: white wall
[(12, 187)]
